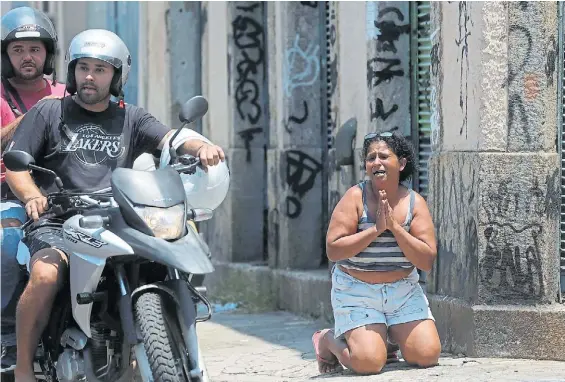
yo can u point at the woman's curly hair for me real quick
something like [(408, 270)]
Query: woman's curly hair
[(400, 146)]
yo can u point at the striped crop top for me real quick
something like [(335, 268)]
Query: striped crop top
[(383, 254)]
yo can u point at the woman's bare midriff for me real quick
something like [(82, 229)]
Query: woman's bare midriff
[(375, 277)]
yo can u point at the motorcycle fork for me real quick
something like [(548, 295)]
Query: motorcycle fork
[(126, 307), (186, 314)]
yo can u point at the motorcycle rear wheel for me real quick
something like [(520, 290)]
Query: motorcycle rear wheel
[(157, 339)]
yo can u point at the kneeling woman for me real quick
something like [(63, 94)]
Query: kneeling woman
[(379, 233)]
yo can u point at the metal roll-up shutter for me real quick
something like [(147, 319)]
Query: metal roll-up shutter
[(421, 66), (561, 87)]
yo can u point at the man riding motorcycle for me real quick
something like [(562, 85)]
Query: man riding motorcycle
[(29, 43), (84, 137)]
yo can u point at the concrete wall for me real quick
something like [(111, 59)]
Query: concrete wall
[(74, 20), (388, 65), (184, 29), (351, 87), (494, 179), (157, 64), (372, 80), (296, 153), (508, 200), (234, 51)]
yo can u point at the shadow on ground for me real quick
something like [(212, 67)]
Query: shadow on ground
[(283, 329)]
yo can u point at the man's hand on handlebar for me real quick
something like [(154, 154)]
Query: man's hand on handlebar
[(210, 155), (35, 207)]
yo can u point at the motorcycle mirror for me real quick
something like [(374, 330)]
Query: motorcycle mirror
[(193, 109), (17, 160)]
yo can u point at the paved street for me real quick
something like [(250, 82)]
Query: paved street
[(277, 347)]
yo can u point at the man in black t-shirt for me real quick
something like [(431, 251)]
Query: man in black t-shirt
[(83, 138)]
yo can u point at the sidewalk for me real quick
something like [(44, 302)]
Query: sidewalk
[(277, 347)]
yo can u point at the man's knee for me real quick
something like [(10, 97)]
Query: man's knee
[(48, 267)]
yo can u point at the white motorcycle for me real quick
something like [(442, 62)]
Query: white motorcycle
[(132, 257)]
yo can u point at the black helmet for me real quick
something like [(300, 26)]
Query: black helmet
[(25, 23)]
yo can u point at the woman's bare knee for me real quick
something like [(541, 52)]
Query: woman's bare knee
[(423, 357), (367, 362), (367, 349), (419, 342), (367, 359)]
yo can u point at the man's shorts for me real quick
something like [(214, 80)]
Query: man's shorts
[(356, 303), (50, 236)]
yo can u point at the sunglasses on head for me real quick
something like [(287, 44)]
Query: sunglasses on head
[(374, 135)]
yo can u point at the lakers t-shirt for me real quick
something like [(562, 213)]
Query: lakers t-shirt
[(88, 146)]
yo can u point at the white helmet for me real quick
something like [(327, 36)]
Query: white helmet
[(203, 189), (103, 45), (207, 189)]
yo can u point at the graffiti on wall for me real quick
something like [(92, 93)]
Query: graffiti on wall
[(531, 70), (511, 263), (454, 215), (331, 32), (300, 176), (462, 42), (518, 118), (391, 24), (302, 66), (302, 69), (389, 30), (249, 57)]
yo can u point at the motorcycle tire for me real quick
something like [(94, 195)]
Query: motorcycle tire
[(149, 311)]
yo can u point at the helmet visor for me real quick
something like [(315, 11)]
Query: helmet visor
[(25, 22), (115, 62)]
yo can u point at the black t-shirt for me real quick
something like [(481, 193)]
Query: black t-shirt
[(91, 145)]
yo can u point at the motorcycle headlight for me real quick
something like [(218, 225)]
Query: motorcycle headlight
[(166, 223)]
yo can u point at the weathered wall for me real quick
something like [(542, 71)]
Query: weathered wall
[(157, 63), (347, 85), (453, 202), (462, 23), (494, 179), (234, 83), (373, 79), (387, 44), (518, 227), (295, 154), (183, 19), (495, 213), (388, 65)]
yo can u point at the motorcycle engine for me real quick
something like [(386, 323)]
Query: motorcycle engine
[(70, 366), (105, 347)]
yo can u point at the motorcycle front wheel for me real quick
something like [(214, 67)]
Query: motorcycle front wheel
[(158, 339)]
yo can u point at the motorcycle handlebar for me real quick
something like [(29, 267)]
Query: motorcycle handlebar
[(187, 164)]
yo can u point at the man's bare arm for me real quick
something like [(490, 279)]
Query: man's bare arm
[(22, 185), (8, 131)]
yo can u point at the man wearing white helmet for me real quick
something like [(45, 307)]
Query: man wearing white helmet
[(82, 137)]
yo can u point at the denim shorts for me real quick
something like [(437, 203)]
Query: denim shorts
[(356, 303), (10, 239)]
